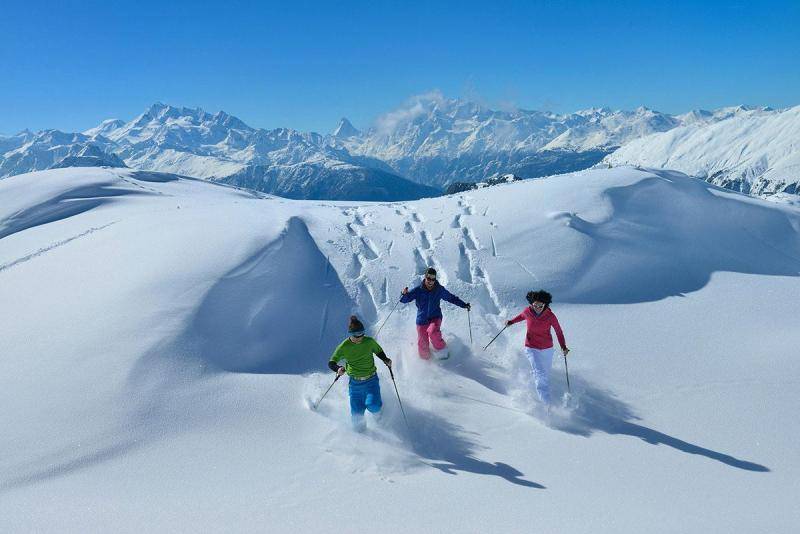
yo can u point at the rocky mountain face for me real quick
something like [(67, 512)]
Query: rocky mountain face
[(497, 179)]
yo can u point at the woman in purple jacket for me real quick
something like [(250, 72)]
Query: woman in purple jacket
[(428, 295)]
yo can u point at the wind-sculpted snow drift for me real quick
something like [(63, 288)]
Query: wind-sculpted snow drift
[(163, 337), (288, 286)]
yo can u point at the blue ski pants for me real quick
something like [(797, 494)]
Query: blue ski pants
[(364, 395)]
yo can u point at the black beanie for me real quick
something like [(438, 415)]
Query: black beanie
[(355, 325)]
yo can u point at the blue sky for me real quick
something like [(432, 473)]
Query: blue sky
[(69, 65)]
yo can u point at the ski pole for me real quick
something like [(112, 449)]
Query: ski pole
[(469, 322), (387, 318), (495, 337), (314, 406), (391, 373), (566, 370)]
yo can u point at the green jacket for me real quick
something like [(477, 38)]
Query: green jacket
[(360, 362)]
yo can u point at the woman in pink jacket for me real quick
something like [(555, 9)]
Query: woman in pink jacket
[(538, 341)]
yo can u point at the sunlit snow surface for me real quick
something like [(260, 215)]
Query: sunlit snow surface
[(753, 151), (163, 339)]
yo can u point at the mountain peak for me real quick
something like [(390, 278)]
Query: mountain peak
[(163, 111), (345, 129), (229, 121), (590, 112), (156, 109)]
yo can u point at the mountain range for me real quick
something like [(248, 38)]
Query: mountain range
[(418, 149), (755, 151)]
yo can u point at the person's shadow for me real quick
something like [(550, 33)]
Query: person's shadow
[(447, 447), (600, 410)]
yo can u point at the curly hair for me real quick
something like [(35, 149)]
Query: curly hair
[(540, 296)]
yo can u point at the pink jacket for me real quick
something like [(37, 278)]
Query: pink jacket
[(538, 334)]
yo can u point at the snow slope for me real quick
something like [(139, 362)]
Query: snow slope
[(163, 338), (756, 151)]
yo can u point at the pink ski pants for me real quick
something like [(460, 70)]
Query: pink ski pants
[(426, 332)]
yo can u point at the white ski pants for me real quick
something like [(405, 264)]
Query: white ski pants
[(541, 362)]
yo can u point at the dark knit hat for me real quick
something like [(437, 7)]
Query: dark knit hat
[(355, 326), (430, 271)]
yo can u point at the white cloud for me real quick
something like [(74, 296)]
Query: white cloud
[(415, 106)]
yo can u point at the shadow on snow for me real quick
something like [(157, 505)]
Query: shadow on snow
[(283, 310), (600, 410), (446, 446), (668, 235)]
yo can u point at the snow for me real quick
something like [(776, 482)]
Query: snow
[(437, 141), (429, 140), (163, 339), (218, 147), (753, 151), (345, 129)]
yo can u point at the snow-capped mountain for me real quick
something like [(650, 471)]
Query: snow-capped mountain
[(752, 150), (707, 117), (430, 140), (216, 147), (345, 129), (27, 151), (13, 142), (282, 161), (90, 156), (437, 140)]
